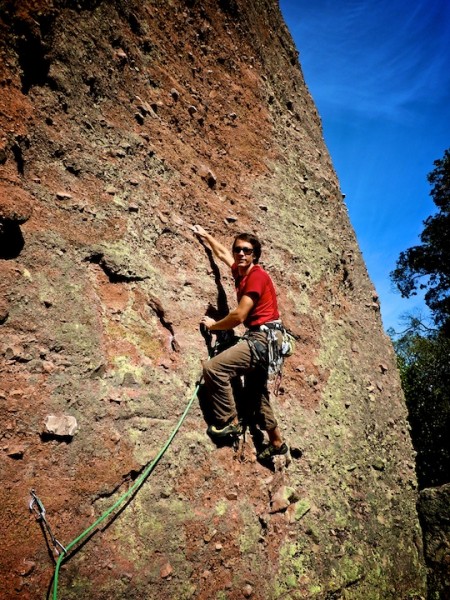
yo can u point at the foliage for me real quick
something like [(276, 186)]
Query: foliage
[(423, 354), (427, 265), (425, 373)]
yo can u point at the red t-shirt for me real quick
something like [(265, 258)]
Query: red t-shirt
[(259, 286)]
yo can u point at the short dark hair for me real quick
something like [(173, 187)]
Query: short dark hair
[(253, 240)]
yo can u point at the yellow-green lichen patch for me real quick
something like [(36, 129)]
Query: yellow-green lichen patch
[(347, 572), (143, 336), (140, 534), (315, 590), (141, 436), (125, 260), (77, 337), (251, 531), (293, 565), (335, 346), (78, 586), (301, 508), (221, 507), (123, 367)]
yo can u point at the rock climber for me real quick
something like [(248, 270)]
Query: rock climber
[(257, 309)]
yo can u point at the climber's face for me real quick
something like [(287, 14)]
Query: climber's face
[(243, 253)]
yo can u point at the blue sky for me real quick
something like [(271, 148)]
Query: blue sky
[(379, 73)]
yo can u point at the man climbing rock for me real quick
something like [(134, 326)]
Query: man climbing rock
[(257, 309)]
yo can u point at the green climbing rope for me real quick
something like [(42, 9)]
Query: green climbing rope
[(137, 484)]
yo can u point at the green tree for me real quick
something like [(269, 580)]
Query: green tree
[(425, 374), (423, 354), (427, 265)]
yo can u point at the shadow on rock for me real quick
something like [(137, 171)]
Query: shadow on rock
[(11, 240)]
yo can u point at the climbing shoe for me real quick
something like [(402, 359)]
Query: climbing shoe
[(270, 451), (229, 430)]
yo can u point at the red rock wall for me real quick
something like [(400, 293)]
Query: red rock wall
[(123, 123)]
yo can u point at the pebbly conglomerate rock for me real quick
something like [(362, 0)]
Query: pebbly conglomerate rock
[(434, 514), (122, 124)]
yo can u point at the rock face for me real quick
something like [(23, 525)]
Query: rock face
[(122, 123), (434, 514)]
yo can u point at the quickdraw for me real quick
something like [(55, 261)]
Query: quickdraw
[(38, 509)]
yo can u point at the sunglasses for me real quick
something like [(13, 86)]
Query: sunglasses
[(246, 251)]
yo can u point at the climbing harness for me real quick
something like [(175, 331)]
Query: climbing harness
[(271, 356), (65, 552)]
